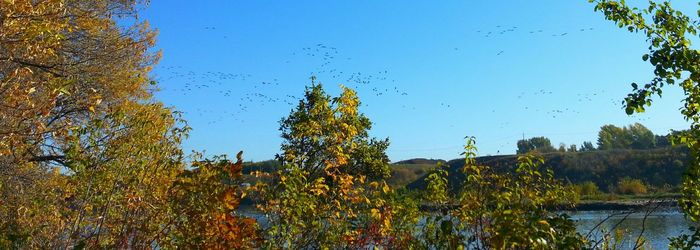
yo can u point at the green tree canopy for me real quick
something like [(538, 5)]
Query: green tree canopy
[(587, 146), (611, 137), (540, 144), (635, 136), (642, 137)]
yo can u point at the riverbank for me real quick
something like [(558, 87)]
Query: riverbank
[(598, 205), (623, 205), (626, 202)]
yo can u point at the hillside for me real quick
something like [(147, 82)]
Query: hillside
[(420, 161), (656, 167)]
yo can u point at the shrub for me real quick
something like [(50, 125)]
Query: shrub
[(631, 186), (586, 188)]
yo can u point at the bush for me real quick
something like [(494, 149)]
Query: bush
[(631, 186), (586, 188)]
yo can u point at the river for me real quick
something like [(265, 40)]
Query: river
[(658, 226)]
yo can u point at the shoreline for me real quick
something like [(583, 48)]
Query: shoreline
[(622, 205), (598, 205), (585, 205)]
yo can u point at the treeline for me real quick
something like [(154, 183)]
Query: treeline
[(635, 136), (658, 168), (662, 168), (622, 152)]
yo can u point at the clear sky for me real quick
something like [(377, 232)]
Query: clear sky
[(428, 73)]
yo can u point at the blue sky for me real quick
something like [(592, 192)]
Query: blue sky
[(428, 73)]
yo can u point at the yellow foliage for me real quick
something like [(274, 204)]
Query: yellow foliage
[(375, 214)]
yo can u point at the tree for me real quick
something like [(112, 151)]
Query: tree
[(641, 137), (612, 137), (113, 186), (635, 136), (540, 144), (86, 157), (587, 146), (330, 192), (325, 133), (204, 205), (62, 63), (662, 141), (562, 147)]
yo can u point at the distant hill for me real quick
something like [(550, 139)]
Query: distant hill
[(657, 167), (263, 166), (420, 161)]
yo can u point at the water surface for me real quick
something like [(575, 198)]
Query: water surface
[(658, 226)]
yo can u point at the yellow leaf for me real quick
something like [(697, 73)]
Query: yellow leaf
[(230, 200), (375, 214), (361, 179), (387, 223)]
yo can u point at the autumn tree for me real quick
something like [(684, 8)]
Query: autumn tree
[(61, 63), (86, 157), (325, 132), (120, 169), (204, 203), (330, 192)]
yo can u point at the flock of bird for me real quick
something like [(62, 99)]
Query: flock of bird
[(245, 93), (501, 30)]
